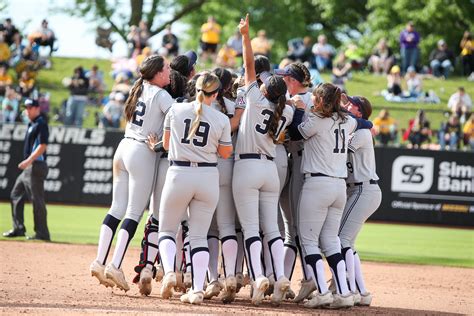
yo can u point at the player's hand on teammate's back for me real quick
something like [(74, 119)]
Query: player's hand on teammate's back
[(152, 141), (244, 25), (298, 102)]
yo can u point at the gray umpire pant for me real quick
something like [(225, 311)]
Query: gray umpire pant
[(30, 184)]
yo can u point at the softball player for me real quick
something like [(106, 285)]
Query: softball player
[(145, 110), (194, 134), (255, 180), (298, 81), (363, 197), (326, 132)]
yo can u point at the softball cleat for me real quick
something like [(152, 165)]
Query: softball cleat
[(279, 290), (212, 289), (144, 285), (259, 286), (319, 300), (117, 276), (192, 297), (307, 287), (97, 270), (365, 299), (230, 289), (168, 284)]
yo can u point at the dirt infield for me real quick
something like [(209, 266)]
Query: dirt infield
[(54, 279)]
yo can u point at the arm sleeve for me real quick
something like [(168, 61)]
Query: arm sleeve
[(226, 139), (293, 128), (43, 134), (363, 124)]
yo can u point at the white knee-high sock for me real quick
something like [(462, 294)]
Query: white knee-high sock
[(240, 252), (126, 232), (107, 232), (338, 270), (290, 260), (167, 247), (267, 258), (253, 247), (212, 271), (316, 271), (349, 259), (277, 253), (229, 255), (359, 276), (199, 263)]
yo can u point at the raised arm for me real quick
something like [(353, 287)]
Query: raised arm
[(249, 62)]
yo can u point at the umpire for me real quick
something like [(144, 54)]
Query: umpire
[(30, 183)]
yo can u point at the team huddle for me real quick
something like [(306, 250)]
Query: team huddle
[(261, 167)]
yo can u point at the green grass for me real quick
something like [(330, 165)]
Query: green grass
[(377, 242), (362, 83)]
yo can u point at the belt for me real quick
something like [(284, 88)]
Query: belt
[(164, 155), (361, 183), (192, 164), (138, 140), (255, 156), (319, 174), (300, 152)]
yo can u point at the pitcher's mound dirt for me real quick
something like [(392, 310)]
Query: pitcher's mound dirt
[(54, 279)]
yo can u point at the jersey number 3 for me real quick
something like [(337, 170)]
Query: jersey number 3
[(265, 126), (202, 132), (138, 114)]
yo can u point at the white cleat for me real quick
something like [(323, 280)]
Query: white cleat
[(259, 286), (168, 284), (159, 273), (342, 301), (97, 270), (365, 299), (187, 280), (212, 289), (356, 297), (279, 290), (117, 276), (144, 285), (230, 289), (192, 297), (319, 300), (307, 287)]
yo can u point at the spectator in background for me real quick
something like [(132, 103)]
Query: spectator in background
[(235, 42), (43, 36), (9, 30), (449, 135), (441, 60), (138, 37), (226, 57), (355, 55), (96, 82), (79, 88), (122, 84), (5, 80), (385, 128), (418, 131), (26, 84), (30, 182), (394, 81), (300, 50), (382, 58), (323, 53), (144, 54), (16, 49), (414, 82), (170, 42), (467, 54), (409, 52), (468, 131), (341, 71), (261, 45), (460, 103), (10, 106), (4, 51), (112, 112), (210, 38)]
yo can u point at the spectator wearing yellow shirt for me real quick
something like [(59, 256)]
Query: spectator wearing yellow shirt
[(226, 57), (261, 45), (4, 51), (5, 79), (210, 37), (26, 83), (468, 131), (467, 54), (385, 128)]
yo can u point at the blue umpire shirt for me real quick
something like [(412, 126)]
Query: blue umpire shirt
[(37, 133)]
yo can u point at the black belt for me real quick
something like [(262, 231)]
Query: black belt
[(300, 152), (254, 156), (361, 183), (319, 174), (192, 164), (164, 155)]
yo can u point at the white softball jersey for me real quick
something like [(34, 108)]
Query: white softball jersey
[(255, 123), (214, 129), (326, 144), (150, 113), (361, 158), (294, 146)]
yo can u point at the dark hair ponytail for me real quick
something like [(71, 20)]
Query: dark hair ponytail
[(275, 88), (225, 78), (277, 113), (148, 69)]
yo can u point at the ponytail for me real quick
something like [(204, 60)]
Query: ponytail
[(273, 129), (131, 103), (197, 118)]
